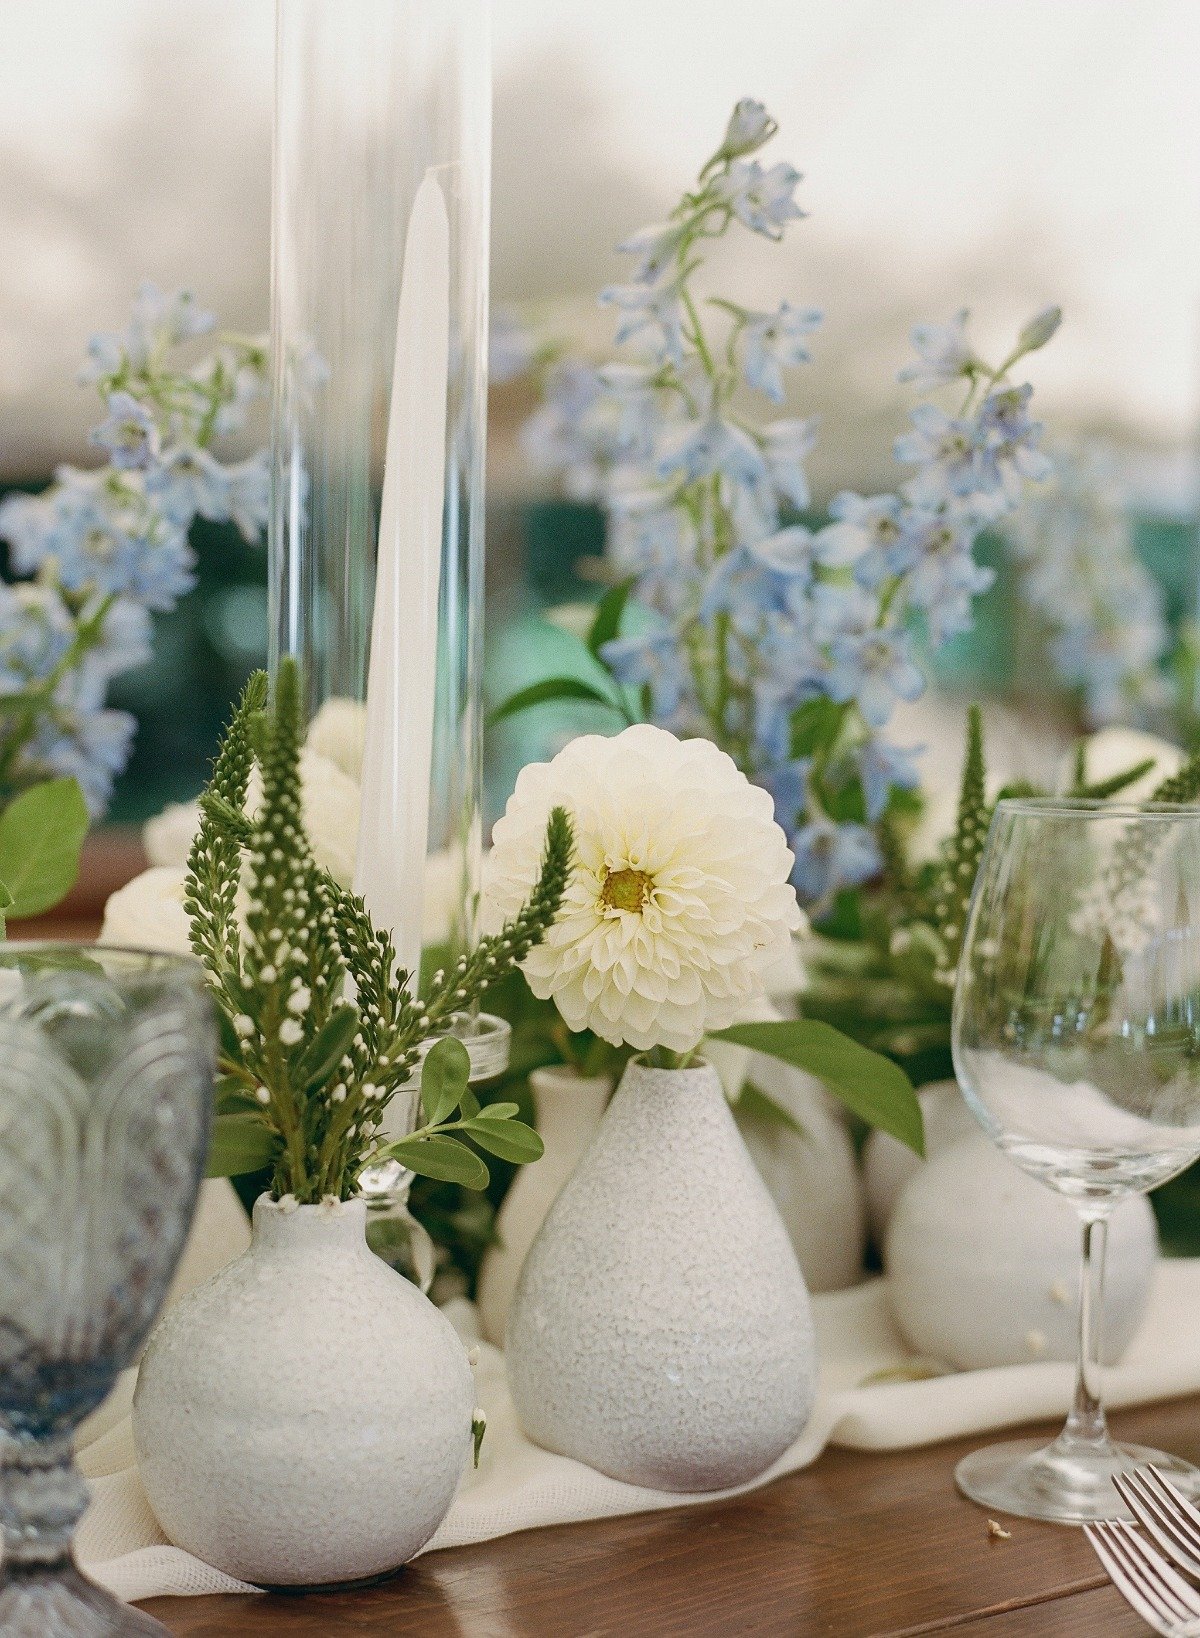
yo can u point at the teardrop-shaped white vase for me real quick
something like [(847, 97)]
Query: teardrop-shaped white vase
[(812, 1174), (305, 1417), (569, 1108), (661, 1329)]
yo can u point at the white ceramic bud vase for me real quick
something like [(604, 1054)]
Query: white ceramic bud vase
[(304, 1418), (661, 1329), (568, 1109)]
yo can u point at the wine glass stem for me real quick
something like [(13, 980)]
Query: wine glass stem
[(42, 1495), (1086, 1423)]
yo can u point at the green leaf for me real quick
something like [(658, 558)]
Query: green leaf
[(328, 1047), (240, 1143), (444, 1076), (815, 726), (507, 1139), (1101, 789), (607, 623), (6, 898), (468, 1103), (550, 688), (500, 1111), (441, 1157), (760, 1106), (871, 1086), (41, 833)]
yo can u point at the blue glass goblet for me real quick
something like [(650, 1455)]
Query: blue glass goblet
[(106, 1075)]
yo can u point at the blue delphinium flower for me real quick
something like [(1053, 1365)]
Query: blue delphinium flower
[(788, 644), (657, 249), (773, 342), (943, 353), (830, 857), (128, 432), (1083, 578), (786, 445), (651, 661), (652, 312), (760, 199), (874, 669), (109, 547), (88, 745), (883, 768)]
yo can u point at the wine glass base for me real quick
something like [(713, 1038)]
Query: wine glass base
[(62, 1603), (1061, 1483)]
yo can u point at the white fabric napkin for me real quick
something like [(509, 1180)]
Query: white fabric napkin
[(520, 1487)]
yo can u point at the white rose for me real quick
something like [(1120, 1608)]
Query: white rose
[(331, 803), (148, 914), (168, 836), (337, 733)]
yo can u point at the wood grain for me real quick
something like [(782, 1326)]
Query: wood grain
[(858, 1546)]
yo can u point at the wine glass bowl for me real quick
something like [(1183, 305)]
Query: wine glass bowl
[(106, 1073), (1076, 1037)]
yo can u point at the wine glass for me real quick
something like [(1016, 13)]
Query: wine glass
[(106, 1086), (1076, 1039)]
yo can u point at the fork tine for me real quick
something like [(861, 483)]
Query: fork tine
[(1128, 1588), (1171, 1586), (1187, 1515), (1156, 1511)]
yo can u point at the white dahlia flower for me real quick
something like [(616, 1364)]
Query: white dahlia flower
[(679, 900)]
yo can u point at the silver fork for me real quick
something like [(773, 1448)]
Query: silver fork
[(1149, 1585), (1165, 1512)]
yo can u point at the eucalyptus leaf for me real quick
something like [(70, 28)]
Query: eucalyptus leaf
[(240, 1143), (508, 1140), (468, 1103), (499, 1111), (441, 1157), (41, 834), (444, 1076), (551, 688), (870, 1085)]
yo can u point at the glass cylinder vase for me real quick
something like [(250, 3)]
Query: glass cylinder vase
[(379, 320)]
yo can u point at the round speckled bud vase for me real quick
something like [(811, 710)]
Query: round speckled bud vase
[(661, 1330), (304, 1418), (983, 1263)]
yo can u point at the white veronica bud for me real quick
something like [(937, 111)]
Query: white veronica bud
[(1039, 329), (261, 1093), (299, 1000), (243, 1027), (290, 1032), (268, 974)]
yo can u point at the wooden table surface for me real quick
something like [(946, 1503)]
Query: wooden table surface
[(857, 1546)]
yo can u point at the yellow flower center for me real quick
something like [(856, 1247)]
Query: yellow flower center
[(626, 890)]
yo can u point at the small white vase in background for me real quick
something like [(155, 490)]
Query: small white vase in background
[(983, 1263), (568, 1109), (661, 1330), (889, 1164), (812, 1175), (304, 1418)]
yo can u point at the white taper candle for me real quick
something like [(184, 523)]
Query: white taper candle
[(393, 834)]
